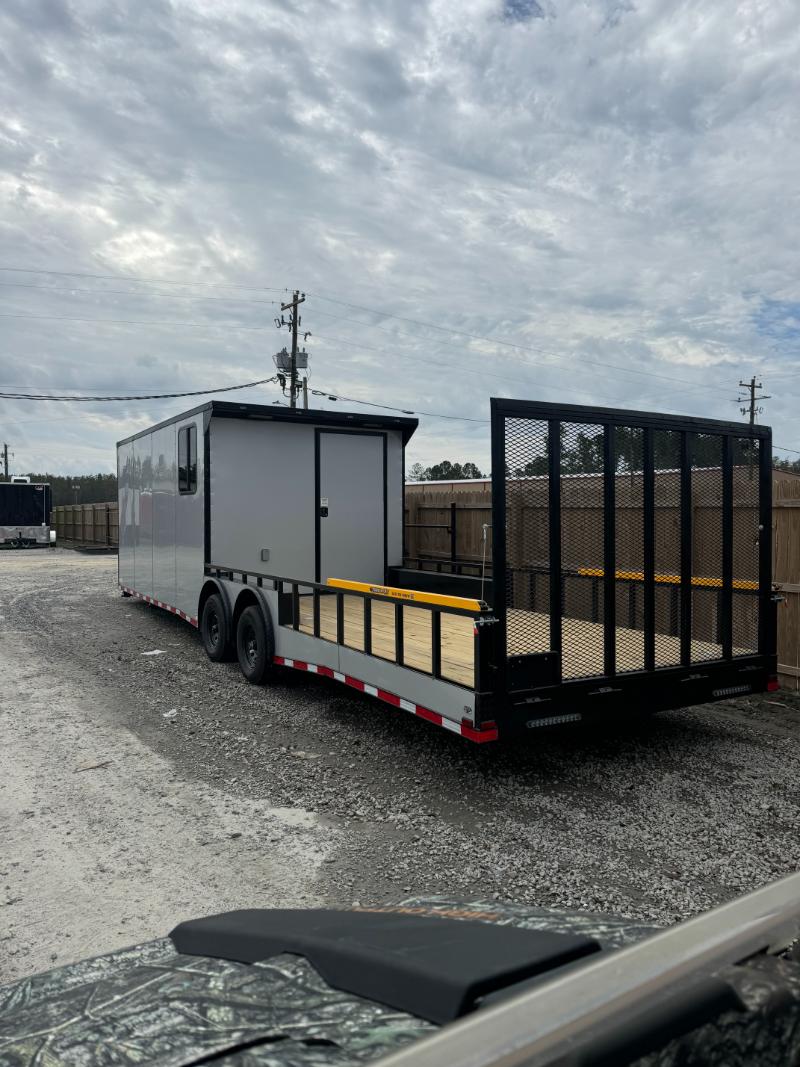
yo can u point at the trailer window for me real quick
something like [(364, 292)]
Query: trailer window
[(187, 459)]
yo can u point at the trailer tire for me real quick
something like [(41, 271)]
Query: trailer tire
[(215, 631), (254, 645)]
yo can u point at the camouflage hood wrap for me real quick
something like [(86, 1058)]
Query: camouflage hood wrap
[(151, 1005)]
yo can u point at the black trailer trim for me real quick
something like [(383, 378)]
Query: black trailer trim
[(225, 409)]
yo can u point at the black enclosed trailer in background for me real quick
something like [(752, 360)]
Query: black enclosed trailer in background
[(631, 561), (25, 514)]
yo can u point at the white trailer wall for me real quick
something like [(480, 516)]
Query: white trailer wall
[(127, 528), (161, 531), (165, 486), (263, 496), (143, 510)]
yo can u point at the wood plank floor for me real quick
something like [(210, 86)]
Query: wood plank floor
[(582, 644), (457, 634), (527, 632)]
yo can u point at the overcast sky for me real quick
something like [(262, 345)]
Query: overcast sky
[(610, 186)]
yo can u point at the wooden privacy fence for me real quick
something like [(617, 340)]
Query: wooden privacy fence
[(444, 522), (87, 525)]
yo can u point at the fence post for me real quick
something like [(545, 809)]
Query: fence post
[(453, 547)]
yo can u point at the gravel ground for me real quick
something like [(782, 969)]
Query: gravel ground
[(336, 798)]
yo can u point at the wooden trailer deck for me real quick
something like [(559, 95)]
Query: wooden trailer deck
[(582, 641)]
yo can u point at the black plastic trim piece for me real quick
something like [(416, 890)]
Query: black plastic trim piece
[(436, 969)]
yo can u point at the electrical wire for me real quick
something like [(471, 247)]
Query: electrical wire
[(506, 344), (137, 322), (358, 307), (136, 292), (146, 281), (147, 396), (388, 407)]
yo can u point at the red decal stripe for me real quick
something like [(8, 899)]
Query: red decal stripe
[(158, 604), (488, 734), (429, 716), (390, 698)]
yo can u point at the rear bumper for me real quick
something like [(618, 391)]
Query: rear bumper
[(636, 694)]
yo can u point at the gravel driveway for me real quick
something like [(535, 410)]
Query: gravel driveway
[(139, 790)]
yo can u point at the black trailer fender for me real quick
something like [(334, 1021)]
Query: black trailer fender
[(210, 586), (253, 597)]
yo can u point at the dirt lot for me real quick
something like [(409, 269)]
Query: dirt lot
[(138, 790)]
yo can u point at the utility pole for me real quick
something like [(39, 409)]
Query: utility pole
[(751, 409), (751, 387), (294, 322), (5, 458)]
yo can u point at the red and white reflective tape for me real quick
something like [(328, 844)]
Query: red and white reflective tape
[(158, 604), (462, 728)]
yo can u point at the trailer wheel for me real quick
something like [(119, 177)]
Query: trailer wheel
[(214, 630), (253, 645)]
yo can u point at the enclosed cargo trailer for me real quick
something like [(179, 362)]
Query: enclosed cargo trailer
[(278, 533), (25, 514)]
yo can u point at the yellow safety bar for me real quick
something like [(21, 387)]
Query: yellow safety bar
[(667, 579), (411, 596)]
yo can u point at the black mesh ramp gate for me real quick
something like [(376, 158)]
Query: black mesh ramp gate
[(632, 558)]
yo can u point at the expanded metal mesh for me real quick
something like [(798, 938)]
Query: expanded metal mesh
[(582, 512), (746, 457), (667, 537), (629, 543), (707, 529), (527, 537), (696, 538)]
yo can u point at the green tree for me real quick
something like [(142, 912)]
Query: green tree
[(444, 471)]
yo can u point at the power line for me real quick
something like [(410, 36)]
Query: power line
[(145, 280), (358, 307), (148, 396), (137, 322), (457, 366), (507, 344), (135, 292), (388, 407)]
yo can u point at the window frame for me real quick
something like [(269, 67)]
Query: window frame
[(187, 449)]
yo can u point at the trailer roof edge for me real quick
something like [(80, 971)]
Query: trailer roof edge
[(267, 412), (582, 413)]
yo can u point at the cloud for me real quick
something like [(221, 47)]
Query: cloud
[(608, 186)]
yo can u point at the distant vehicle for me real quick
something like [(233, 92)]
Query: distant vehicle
[(427, 983), (25, 513), (629, 569)]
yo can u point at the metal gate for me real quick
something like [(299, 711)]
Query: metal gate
[(631, 556)]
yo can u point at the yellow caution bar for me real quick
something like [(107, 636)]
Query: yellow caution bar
[(410, 596), (667, 579)]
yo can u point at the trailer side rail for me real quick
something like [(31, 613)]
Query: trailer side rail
[(303, 606)]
